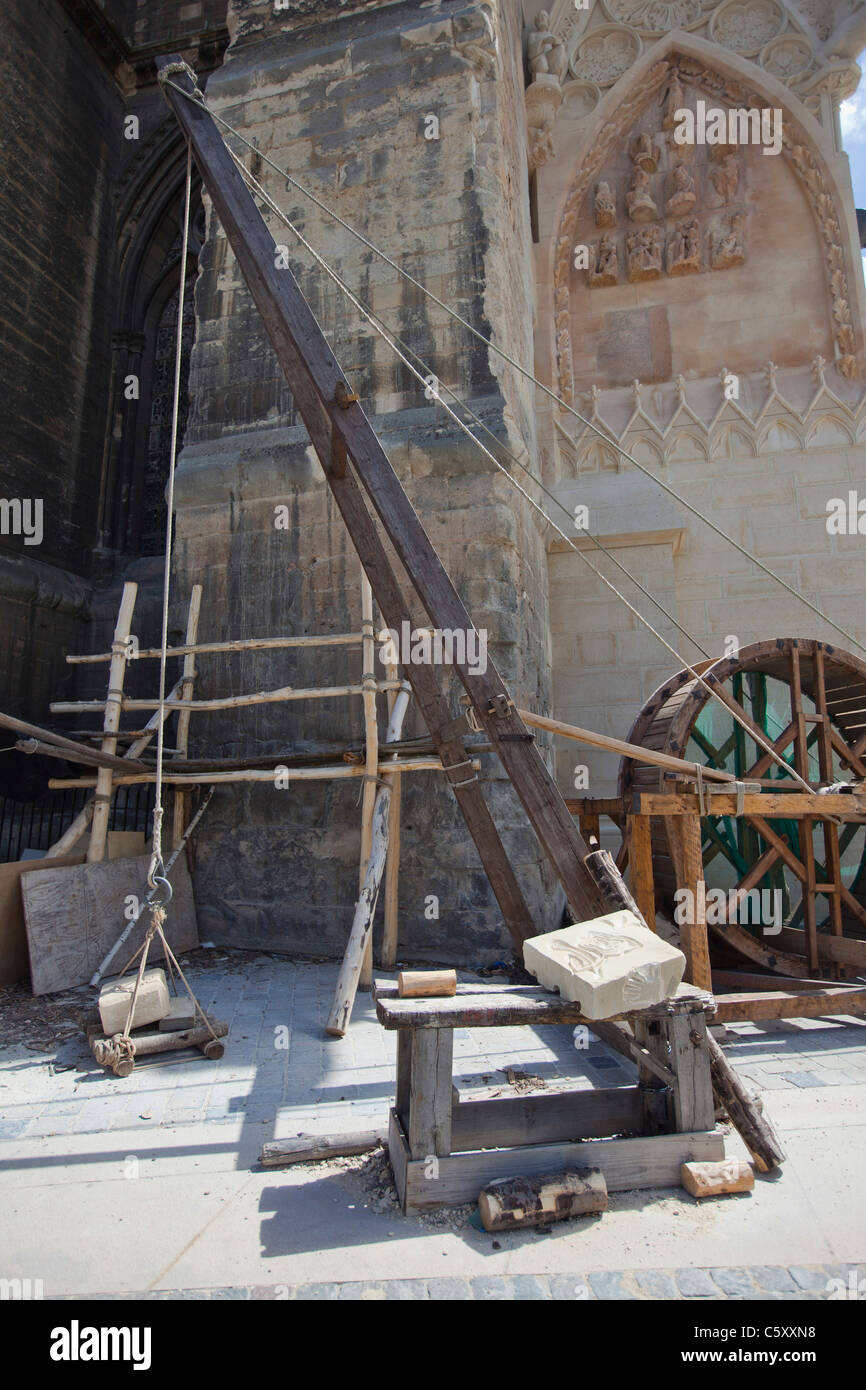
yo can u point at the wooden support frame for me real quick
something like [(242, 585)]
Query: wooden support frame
[(443, 1149), (346, 445)]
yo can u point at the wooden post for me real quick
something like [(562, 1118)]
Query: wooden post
[(430, 1092), (181, 797), (111, 723), (371, 769), (392, 863), (357, 948), (684, 833), (640, 861)]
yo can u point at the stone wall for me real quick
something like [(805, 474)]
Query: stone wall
[(343, 103)]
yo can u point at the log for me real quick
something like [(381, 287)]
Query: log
[(755, 1131), (260, 697), (111, 723), (417, 984), (341, 772), (76, 752), (715, 1179), (245, 644), (365, 909), (513, 1203), (313, 1148), (617, 745)]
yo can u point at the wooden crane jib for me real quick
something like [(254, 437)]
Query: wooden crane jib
[(341, 434)]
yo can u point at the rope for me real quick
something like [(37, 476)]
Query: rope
[(524, 372), (376, 323), (157, 866)]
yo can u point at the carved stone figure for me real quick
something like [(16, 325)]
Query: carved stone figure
[(684, 249), (641, 207), (674, 101), (681, 198), (726, 178), (644, 254), (644, 153), (605, 206), (606, 270), (728, 245), (545, 52)]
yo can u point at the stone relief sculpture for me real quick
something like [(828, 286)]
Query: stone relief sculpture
[(726, 178), (545, 51), (644, 254), (605, 206), (728, 245), (681, 198), (644, 153), (675, 100), (606, 269), (684, 249), (640, 204)]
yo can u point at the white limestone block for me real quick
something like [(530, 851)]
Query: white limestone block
[(153, 1001), (608, 965)]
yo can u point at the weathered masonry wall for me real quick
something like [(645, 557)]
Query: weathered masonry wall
[(61, 120), (343, 103)]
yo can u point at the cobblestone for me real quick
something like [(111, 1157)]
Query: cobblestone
[(803, 1283)]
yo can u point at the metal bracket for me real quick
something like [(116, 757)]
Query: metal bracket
[(345, 396)]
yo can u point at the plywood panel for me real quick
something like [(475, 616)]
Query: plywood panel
[(75, 915)]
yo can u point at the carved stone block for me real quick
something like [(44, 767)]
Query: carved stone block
[(728, 245), (608, 966), (605, 269), (605, 206), (681, 198), (684, 249), (644, 254), (639, 201)]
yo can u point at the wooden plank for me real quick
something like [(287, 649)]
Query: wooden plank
[(781, 805), (13, 932), (311, 1148), (640, 860), (844, 950), (752, 1126), (430, 1092), (371, 771), (392, 862), (739, 1008), (473, 1007), (75, 915), (627, 1165), (724, 981), (595, 805), (314, 377), (546, 1119)]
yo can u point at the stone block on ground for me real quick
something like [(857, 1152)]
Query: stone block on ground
[(181, 1014), (151, 1005), (710, 1179), (608, 965)]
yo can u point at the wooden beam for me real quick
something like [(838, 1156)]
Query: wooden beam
[(617, 745), (187, 679), (781, 805), (741, 1008)]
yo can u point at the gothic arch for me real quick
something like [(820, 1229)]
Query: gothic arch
[(736, 80)]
